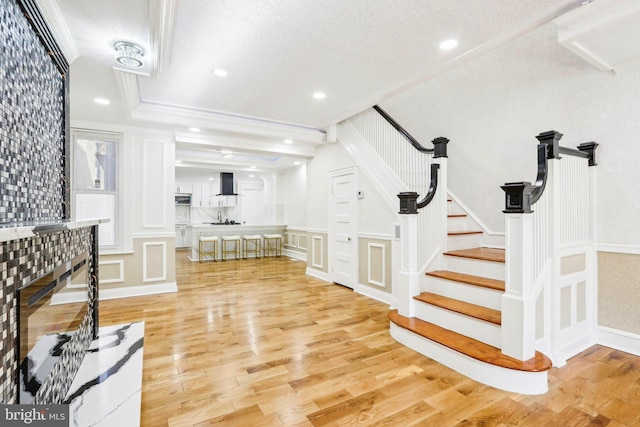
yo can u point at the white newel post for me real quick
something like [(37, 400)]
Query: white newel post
[(409, 276), (518, 303)]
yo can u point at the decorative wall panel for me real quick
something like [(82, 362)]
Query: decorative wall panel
[(32, 124)]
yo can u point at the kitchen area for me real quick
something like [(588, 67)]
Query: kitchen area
[(223, 205)]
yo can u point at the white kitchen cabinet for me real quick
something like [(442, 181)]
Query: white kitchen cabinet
[(183, 236), (201, 196), (225, 201), (184, 188)]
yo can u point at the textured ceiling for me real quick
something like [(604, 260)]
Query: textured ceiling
[(278, 53)]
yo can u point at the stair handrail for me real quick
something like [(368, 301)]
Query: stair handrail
[(521, 196), (409, 203)]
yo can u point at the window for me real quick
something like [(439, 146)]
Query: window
[(95, 182)]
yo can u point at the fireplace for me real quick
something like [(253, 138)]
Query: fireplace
[(51, 310)]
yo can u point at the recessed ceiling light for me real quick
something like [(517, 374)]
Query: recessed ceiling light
[(220, 73), (250, 176), (210, 178), (296, 163), (101, 101), (448, 44), (319, 95), (253, 166), (194, 129), (288, 141)]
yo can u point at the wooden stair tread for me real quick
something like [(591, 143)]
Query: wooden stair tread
[(469, 279), (485, 254), (462, 307), (456, 216), (469, 346), (463, 232)]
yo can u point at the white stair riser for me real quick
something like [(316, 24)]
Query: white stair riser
[(475, 328), (463, 241), (464, 292), (453, 208), (502, 378), (459, 223), (476, 267)]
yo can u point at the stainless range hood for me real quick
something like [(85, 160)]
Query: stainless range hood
[(226, 184)]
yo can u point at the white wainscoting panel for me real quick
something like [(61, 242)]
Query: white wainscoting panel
[(119, 278), (148, 257), (153, 185), (371, 248), (317, 249)]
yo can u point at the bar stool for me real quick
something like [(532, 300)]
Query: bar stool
[(236, 246), (202, 240), (246, 240), (272, 244)]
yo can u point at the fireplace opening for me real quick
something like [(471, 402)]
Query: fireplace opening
[(51, 309)]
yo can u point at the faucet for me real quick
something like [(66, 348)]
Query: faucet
[(219, 216)]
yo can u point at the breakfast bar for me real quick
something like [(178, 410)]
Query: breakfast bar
[(222, 230)]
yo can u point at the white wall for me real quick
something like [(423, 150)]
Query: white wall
[(492, 107), (293, 194)]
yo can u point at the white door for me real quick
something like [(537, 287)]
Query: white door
[(343, 243)]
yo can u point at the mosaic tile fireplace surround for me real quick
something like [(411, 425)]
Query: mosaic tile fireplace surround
[(36, 235)]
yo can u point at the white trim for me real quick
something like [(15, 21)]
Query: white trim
[(369, 279), (619, 340), (295, 255), (162, 235), (306, 238), (58, 26), (128, 87), (145, 174), (313, 252), (136, 291), (119, 262), (618, 249), (162, 14), (145, 278), (375, 236), (376, 294), (315, 230), (502, 378), (318, 274)]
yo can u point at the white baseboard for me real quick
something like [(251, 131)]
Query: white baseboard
[(619, 340), (115, 293), (318, 274), (376, 294), (294, 254)]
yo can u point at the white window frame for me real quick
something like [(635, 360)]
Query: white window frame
[(117, 219)]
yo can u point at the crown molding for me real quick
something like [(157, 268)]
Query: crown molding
[(52, 15), (302, 151), (162, 14), (128, 87)]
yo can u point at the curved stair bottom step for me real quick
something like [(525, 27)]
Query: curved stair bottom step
[(503, 378)]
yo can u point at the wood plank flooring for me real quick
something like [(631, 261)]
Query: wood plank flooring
[(257, 342)]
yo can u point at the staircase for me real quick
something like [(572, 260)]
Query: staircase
[(457, 320)]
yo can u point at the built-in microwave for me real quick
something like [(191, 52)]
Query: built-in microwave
[(183, 199)]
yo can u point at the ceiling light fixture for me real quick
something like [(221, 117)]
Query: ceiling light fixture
[(319, 95), (101, 101), (250, 176), (448, 44), (220, 73), (288, 141), (129, 54), (253, 166), (194, 129), (296, 163)]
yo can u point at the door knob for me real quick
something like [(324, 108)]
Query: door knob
[(348, 239)]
